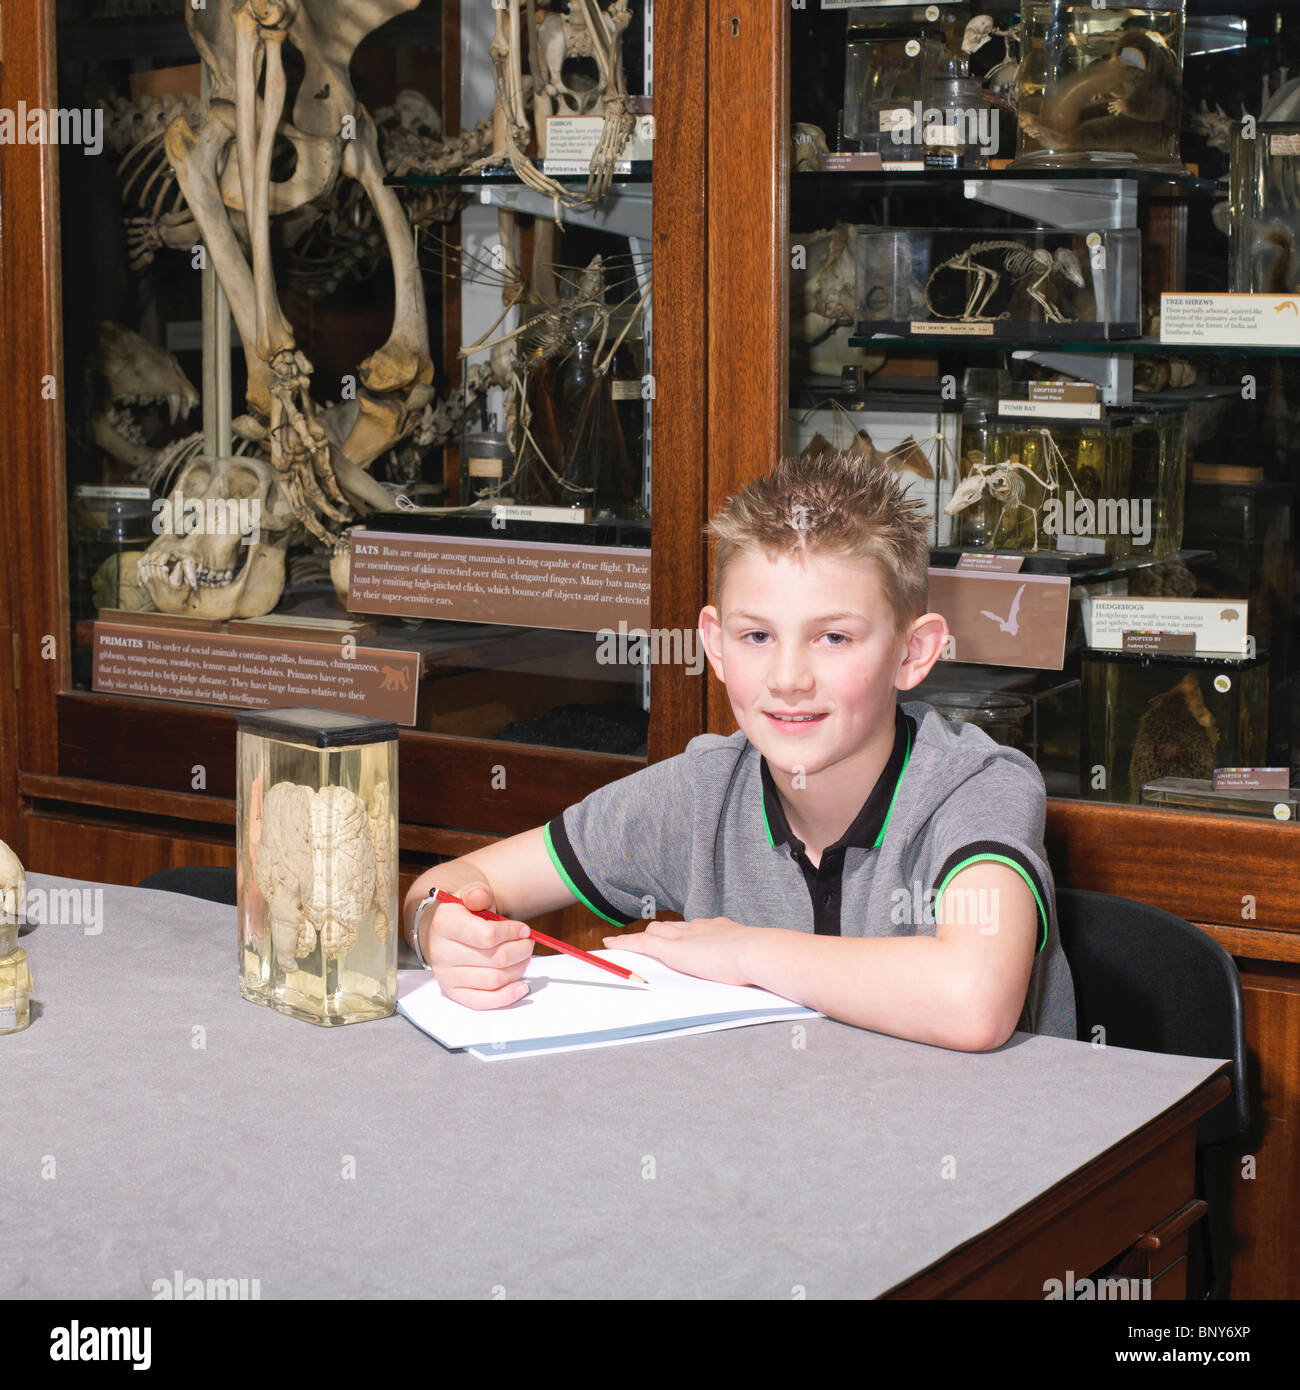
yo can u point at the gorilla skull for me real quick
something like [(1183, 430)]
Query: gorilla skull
[(223, 534)]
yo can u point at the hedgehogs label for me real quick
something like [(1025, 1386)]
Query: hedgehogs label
[(1218, 625)]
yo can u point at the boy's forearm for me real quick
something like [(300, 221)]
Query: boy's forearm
[(907, 986), (453, 876)]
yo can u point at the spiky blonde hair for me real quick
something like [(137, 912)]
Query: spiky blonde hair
[(835, 504)]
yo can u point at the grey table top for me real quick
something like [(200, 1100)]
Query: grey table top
[(156, 1126)]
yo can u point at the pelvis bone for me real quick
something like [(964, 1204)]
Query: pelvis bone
[(224, 166), (222, 554)]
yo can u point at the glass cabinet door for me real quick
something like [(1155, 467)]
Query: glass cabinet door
[(359, 374), (981, 237)]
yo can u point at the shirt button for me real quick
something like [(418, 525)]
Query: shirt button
[(826, 899)]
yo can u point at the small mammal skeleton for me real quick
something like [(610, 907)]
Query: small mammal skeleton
[(1005, 482), (1030, 268)]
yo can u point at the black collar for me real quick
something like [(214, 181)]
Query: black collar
[(868, 828)]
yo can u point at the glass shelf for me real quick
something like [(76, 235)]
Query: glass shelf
[(1101, 347), (1149, 182), (1082, 569), (811, 394), (504, 174)]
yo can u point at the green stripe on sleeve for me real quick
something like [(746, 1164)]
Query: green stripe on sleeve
[(573, 887), (1011, 864)]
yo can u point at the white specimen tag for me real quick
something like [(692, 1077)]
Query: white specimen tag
[(1230, 320), (1219, 624)]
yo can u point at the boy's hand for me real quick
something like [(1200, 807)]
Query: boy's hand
[(476, 962), (713, 948)]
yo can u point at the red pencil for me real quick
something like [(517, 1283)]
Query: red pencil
[(542, 939)]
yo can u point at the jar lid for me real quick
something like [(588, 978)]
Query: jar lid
[(989, 702), (319, 728)]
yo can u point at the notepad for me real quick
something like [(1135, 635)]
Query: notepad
[(572, 1005)]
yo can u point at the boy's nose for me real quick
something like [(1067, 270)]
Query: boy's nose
[(789, 671)]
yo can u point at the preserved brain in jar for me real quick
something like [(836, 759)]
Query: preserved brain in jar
[(316, 869)]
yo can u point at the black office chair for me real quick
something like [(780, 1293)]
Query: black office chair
[(215, 884), (1158, 984)]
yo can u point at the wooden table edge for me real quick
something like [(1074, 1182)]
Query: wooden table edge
[(957, 1267)]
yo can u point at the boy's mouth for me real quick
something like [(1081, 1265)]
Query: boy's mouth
[(793, 721)]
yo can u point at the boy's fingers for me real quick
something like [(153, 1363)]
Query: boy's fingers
[(480, 979), (486, 998), (638, 941), (477, 933), (452, 954), (671, 930)]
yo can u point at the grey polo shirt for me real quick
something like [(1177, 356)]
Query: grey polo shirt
[(704, 834)]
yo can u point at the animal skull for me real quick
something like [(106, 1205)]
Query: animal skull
[(978, 32), (809, 146), (13, 886), (224, 553), (133, 372), (823, 303)]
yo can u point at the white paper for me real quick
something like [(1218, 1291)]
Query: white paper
[(498, 1054), (575, 1003)]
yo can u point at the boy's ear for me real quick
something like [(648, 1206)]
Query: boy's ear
[(925, 640), (710, 626)]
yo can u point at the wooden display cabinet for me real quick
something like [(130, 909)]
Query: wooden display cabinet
[(99, 788), (1232, 879)]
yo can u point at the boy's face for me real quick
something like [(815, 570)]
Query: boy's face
[(813, 636)]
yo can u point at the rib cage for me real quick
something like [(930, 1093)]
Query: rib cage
[(1019, 260)]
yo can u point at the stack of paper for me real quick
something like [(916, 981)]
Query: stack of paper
[(572, 1005)]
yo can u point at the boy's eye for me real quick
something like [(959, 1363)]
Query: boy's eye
[(759, 639)]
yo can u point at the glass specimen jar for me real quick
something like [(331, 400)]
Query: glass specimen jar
[(317, 828), (1100, 84), (486, 462), (15, 977), (1001, 716), (15, 980)]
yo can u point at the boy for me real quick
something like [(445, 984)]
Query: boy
[(847, 852)]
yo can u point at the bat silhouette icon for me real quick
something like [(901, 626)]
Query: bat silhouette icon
[(1011, 623)]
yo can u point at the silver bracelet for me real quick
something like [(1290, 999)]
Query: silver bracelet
[(415, 930)]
